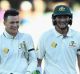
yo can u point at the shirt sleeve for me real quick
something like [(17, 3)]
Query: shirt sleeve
[(32, 60), (30, 44)]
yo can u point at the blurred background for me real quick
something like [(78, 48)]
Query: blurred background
[(35, 15)]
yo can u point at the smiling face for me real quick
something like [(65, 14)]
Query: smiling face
[(12, 24), (62, 21)]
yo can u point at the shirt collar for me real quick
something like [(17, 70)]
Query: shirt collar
[(57, 34), (7, 35), (68, 34)]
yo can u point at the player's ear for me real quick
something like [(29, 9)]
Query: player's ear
[(70, 21), (54, 21), (4, 22)]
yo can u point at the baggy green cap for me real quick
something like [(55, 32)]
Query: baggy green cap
[(62, 10)]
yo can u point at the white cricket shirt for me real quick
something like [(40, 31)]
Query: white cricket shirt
[(12, 53), (59, 52)]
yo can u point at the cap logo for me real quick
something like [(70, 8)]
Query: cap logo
[(61, 9)]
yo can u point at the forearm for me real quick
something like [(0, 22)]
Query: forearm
[(32, 61), (78, 56), (79, 66), (39, 68), (39, 62)]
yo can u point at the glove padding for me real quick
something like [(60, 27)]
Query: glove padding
[(36, 72)]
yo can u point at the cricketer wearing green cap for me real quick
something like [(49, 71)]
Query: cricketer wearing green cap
[(60, 46), (62, 10)]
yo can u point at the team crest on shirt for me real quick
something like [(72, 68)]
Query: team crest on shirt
[(5, 50), (72, 44), (53, 44)]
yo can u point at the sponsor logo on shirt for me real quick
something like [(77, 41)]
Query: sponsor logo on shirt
[(53, 44), (72, 44)]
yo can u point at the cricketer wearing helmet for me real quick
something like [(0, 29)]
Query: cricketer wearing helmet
[(17, 54), (60, 46)]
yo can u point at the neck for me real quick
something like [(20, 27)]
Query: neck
[(62, 31), (12, 34)]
